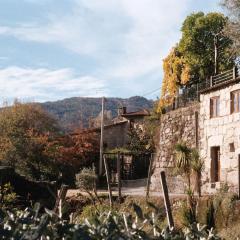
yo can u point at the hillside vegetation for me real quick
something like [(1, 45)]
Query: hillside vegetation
[(76, 112)]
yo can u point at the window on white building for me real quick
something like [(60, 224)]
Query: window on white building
[(235, 101), (231, 147), (214, 107)]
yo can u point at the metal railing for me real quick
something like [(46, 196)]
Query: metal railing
[(133, 166)]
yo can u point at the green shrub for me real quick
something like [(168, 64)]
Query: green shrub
[(86, 179), (7, 196), (224, 206), (30, 224), (90, 211)]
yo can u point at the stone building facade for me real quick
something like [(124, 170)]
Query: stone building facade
[(220, 135), (116, 135), (116, 130), (212, 125)]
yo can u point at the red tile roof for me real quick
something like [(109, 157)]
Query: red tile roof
[(143, 113)]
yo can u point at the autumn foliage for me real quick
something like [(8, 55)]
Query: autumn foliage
[(78, 149), (33, 144), (192, 60), (176, 73)]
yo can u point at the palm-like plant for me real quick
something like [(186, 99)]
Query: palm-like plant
[(183, 160), (197, 165)]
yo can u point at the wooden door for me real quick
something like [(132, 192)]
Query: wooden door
[(215, 164)]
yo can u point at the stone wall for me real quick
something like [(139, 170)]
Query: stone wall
[(180, 124), (220, 132)]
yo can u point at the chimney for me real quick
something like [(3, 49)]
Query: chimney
[(122, 110)]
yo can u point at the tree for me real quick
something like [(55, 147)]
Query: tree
[(202, 51), (139, 141), (78, 149), (200, 34), (25, 133), (176, 73), (74, 152), (232, 29)]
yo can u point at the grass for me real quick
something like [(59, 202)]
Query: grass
[(221, 211)]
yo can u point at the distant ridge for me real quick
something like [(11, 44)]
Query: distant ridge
[(75, 112)]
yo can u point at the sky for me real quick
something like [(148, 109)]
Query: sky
[(56, 49)]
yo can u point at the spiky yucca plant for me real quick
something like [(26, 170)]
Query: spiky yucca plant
[(183, 160), (197, 165)]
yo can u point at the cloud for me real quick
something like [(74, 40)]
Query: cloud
[(125, 39), (44, 84), (125, 33)]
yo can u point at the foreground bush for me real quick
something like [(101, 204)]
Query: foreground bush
[(30, 224)]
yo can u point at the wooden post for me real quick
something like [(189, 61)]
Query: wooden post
[(211, 81), (234, 72), (119, 177), (196, 129), (216, 54), (239, 176), (101, 140), (60, 199), (197, 90), (166, 199), (108, 180), (149, 176)]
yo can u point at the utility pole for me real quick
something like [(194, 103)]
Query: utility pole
[(216, 54), (101, 139)]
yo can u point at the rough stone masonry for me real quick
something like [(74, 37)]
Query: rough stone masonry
[(179, 124)]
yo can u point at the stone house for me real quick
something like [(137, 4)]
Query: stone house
[(220, 134), (116, 131), (210, 124)]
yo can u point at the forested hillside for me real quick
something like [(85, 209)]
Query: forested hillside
[(76, 112)]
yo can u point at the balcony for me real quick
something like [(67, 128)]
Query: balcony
[(189, 94), (220, 80)]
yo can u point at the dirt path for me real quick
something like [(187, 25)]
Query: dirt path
[(137, 191)]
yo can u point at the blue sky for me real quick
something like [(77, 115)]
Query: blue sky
[(55, 49)]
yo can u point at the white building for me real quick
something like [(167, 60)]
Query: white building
[(219, 125)]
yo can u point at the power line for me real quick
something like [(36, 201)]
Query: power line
[(153, 91)]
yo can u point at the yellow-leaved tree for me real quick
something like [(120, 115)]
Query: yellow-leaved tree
[(176, 73)]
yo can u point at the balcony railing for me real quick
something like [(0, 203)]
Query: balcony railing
[(189, 94), (222, 78)]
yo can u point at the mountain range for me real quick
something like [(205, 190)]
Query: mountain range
[(78, 111)]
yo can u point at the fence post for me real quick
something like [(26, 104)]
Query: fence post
[(211, 81), (149, 176), (197, 90), (119, 177), (59, 201), (166, 199), (108, 180)]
